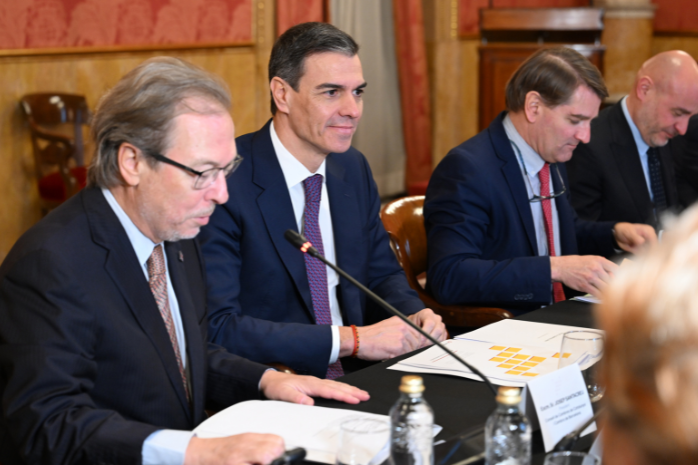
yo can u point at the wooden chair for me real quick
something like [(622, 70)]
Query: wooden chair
[(55, 123), (404, 220)]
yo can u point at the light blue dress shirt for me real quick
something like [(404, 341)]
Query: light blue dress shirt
[(534, 163), (165, 446), (642, 147)]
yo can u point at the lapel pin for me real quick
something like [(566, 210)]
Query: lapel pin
[(181, 256)]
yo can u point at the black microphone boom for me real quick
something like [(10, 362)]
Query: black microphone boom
[(305, 246)]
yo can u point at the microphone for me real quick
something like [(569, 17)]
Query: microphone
[(305, 246), (569, 440)]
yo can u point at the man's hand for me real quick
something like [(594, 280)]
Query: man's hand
[(431, 323), (381, 341), (633, 237), (249, 448), (588, 273), (298, 389)]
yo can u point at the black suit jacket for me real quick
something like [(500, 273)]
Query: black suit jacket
[(606, 176), (259, 297), (684, 150), (87, 370)]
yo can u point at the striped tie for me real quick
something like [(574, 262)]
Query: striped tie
[(317, 271), (158, 286)]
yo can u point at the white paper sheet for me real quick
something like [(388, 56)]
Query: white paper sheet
[(504, 365), (314, 428)]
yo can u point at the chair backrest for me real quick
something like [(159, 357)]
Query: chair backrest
[(56, 126), (404, 220), (58, 115)]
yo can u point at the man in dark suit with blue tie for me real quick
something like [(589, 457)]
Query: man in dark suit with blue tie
[(103, 331), (500, 227), (626, 172), (269, 302)]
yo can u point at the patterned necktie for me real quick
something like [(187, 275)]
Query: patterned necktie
[(544, 176), (317, 271), (656, 183), (158, 286)]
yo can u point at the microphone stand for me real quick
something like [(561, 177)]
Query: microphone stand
[(306, 247)]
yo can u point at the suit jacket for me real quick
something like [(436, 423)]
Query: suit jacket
[(606, 176), (481, 240), (87, 369), (684, 150), (258, 292)]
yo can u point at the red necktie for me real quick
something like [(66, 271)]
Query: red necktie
[(544, 176), (317, 271), (158, 286)]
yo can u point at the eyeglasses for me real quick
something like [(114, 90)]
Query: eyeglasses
[(204, 178), (539, 198)]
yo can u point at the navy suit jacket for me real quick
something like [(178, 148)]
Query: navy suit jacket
[(482, 247), (606, 177), (258, 291), (87, 369)]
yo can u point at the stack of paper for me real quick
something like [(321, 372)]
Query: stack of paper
[(509, 353)]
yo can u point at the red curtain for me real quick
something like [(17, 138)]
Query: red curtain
[(676, 16), (292, 12), (414, 92)]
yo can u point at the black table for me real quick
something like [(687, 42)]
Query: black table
[(459, 404)]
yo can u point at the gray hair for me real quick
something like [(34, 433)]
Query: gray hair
[(141, 108), (298, 43)]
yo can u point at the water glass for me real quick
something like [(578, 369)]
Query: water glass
[(361, 439), (585, 348), (571, 458)]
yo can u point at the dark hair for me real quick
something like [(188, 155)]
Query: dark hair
[(298, 43), (555, 73), (140, 110)]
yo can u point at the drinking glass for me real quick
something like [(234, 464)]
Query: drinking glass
[(585, 348), (360, 439), (571, 458)]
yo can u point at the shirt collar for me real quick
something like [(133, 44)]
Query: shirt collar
[(642, 147), (142, 245), (294, 171), (531, 160)]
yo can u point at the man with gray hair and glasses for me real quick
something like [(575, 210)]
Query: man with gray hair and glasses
[(500, 227), (103, 331)]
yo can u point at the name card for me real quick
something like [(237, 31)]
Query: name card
[(561, 404)]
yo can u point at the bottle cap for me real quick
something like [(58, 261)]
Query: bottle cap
[(412, 384), (508, 395)]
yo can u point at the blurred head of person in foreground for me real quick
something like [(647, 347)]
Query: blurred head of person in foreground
[(650, 365)]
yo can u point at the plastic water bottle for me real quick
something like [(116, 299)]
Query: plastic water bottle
[(411, 426), (507, 431)]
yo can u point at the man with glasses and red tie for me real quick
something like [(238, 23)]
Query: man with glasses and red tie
[(500, 227)]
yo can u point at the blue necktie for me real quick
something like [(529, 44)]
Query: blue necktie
[(656, 183), (317, 271)]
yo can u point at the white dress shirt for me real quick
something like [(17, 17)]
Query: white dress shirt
[(295, 173), (641, 145), (165, 446), (533, 163)]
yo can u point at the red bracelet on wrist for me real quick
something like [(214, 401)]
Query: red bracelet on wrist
[(357, 342)]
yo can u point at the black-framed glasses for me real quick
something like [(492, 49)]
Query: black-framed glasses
[(539, 198), (204, 178)]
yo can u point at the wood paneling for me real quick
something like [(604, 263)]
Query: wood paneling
[(628, 44), (666, 42), (243, 68)]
